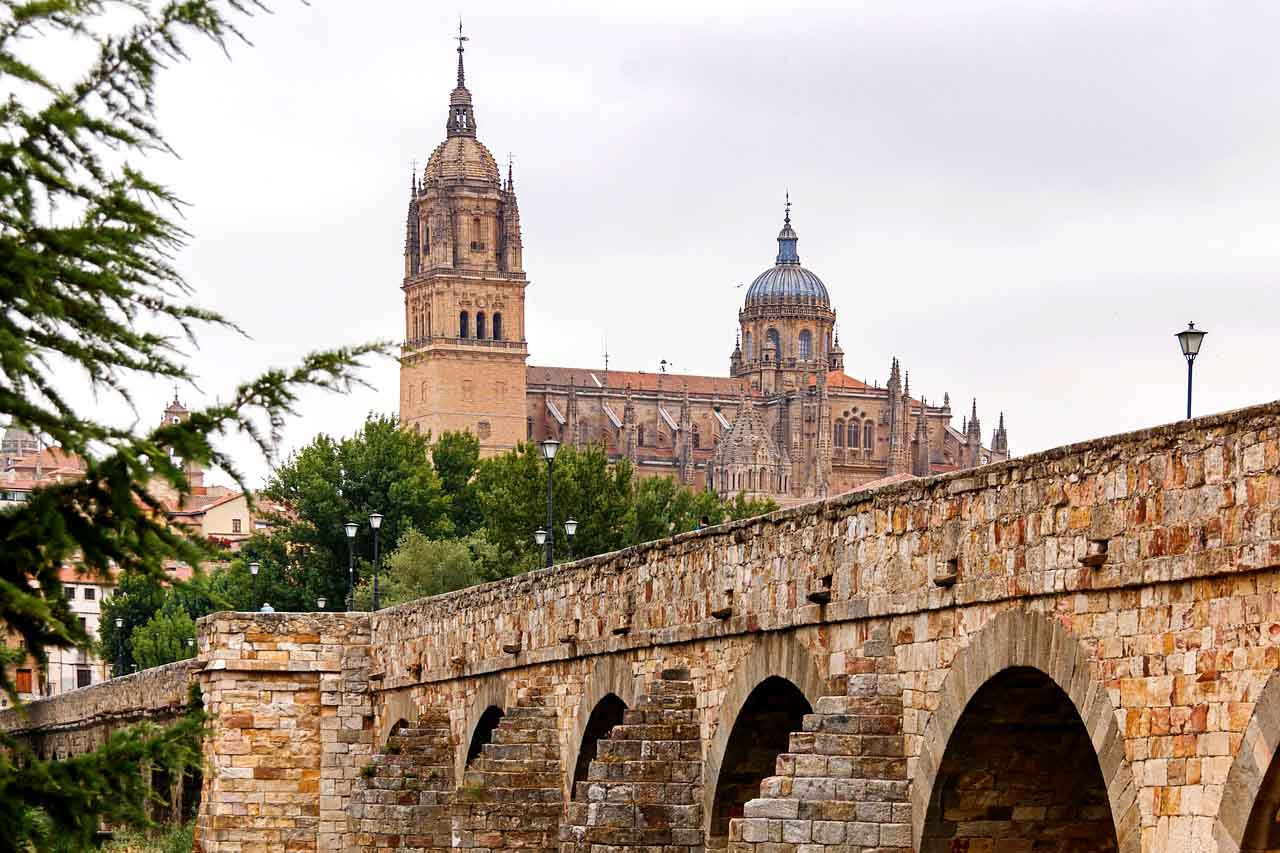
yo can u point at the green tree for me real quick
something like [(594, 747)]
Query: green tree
[(420, 567), (137, 598), (456, 457), (511, 491), (163, 639), (93, 300), (383, 468), (744, 507)]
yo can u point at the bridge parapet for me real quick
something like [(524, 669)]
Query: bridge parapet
[(1186, 500)]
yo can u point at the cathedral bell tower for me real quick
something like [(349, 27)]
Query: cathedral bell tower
[(462, 365)]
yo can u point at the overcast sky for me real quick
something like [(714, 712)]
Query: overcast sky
[(1022, 202)]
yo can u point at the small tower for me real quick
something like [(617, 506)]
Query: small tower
[(835, 359), (1000, 440), (973, 437), (899, 457), (922, 457), (629, 427)]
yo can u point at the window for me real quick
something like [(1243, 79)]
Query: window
[(70, 591), (868, 436), (497, 326), (90, 593), (746, 346), (697, 438), (235, 525), (806, 345), (84, 677), (477, 237), (480, 325), (774, 341), (640, 435), (24, 681), (838, 434), (84, 624), (528, 428), (853, 433), (464, 325)]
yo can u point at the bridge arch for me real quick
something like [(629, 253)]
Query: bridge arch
[(1018, 643), (492, 693), (1251, 796), (779, 658), (610, 676)]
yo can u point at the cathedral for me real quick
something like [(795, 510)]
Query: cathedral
[(786, 422)]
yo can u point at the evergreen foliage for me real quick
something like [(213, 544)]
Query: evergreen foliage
[(92, 299)]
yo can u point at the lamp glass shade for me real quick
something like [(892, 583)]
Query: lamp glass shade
[(571, 526), (351, 528), (253, 568), (375, 520), (549, 448), (540, 536), (119, 622), (1190, 339), (320, 603)]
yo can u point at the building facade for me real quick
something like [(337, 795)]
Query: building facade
[(785, 422)]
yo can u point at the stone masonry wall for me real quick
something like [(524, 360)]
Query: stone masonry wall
[(80, 720), (292, 725)]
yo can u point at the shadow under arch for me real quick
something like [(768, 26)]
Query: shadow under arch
[(774, 655), (609, 675), (492, 693), (1254, 777), (1018, 640)]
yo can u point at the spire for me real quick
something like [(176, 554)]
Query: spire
[(460, 38), (787, 238), (511, 181), (462, 120)]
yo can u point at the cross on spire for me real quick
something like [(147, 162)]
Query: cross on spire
[(460, 38), (787, 218)]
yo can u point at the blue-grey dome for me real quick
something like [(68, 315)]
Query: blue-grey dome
[(786, 280)]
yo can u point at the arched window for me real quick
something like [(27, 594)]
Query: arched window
[(464, 325), (751, 480), (806, 345), (776, 342), (764, 480), (640, 435), (837, 434), (868, 436), (497, 326), (477, 238), (697, 438), (853, 433), (480, 325), (746, 347)]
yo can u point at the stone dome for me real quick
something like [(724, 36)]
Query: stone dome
[(786, 280), (461, 157)]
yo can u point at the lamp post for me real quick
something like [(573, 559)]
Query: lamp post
[(254, 567), (1190, 339), (119, 646), (351, 527), (549, 448), (570, 528), (375, 521)]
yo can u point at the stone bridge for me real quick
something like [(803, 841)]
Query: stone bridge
[(1071, 651)]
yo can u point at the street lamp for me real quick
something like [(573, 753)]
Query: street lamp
[(253, 570), (320, 602), (119, 646), (549, 448), (375, 521), (540, 536), (570, 528), (1190, 339), (351, 527)]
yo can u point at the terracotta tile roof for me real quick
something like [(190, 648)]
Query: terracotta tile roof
[(50, 458), (839, 379), (618, 380)]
